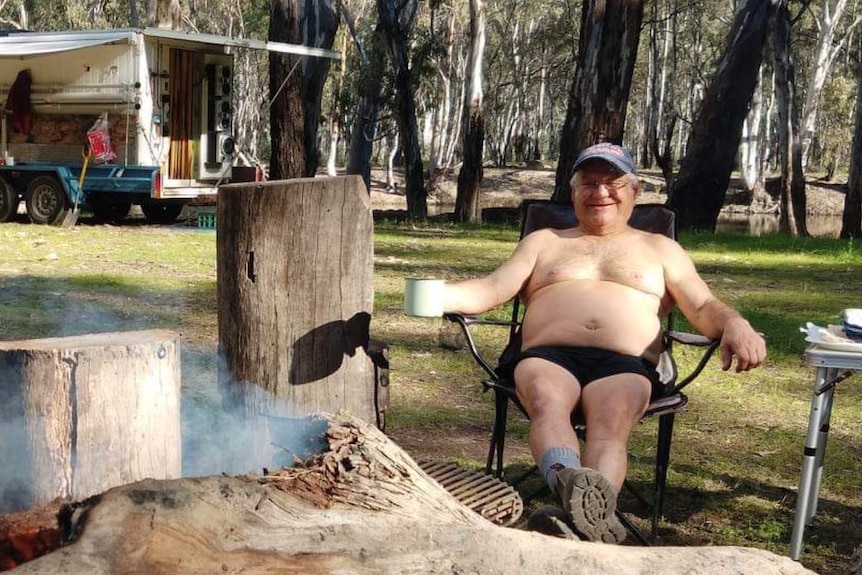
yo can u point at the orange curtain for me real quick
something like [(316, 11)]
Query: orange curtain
[(180, 152)]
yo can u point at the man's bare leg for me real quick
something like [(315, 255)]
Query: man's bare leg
[(549, 393), (612, 406)]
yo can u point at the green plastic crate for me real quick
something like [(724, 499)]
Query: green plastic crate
[(207, 219)]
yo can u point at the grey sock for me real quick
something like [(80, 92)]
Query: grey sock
[(557, 458)]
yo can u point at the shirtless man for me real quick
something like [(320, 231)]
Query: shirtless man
[(594, 297)]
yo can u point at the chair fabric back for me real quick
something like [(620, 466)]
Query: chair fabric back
[(540, 214)]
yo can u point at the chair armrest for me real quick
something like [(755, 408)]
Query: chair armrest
[(688, 338), (695, 340), (465, 322)]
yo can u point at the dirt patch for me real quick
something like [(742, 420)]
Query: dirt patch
[(508, 187)]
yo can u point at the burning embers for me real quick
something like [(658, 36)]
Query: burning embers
[(27, 535)]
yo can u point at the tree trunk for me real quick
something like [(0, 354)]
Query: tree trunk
[(286, 115), (828, 18), (792, 211), (336, 113), (442, 123), (85, 413), (664, 115), (610, 31), (467, 206), (319, 22), (851, 221), (295, 262), (396, 20), (700, 188), (367, 109), (750, 162), (362, 506)]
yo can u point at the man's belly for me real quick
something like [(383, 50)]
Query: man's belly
[(593, 313)]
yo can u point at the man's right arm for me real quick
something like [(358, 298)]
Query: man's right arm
[(482, 294)]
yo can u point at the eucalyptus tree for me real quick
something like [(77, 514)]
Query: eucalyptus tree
[(471, 173), (296, 84), (659, 100), (791, 178), (751, 143), (701, 186), (444, 106), (286, 117), (396, 22), (530, 52), (71, 14), (610, 31), (831, 41), (367, 77), (851, 221)]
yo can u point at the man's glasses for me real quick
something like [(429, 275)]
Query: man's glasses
[(611, 186)]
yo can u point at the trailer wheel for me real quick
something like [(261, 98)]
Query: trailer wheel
[(161, 213), (8, 201), (107, 211), (46, 201)]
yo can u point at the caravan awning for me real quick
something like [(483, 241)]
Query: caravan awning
[(29, 44), (295, 49), (33, 44)]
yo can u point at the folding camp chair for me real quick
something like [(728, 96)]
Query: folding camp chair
[(656, 218)]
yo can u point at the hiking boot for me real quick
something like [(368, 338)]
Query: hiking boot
[(590, 500), (551, 520)]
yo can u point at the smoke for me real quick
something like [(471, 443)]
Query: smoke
[(216, 438), (219, 437), (16, 491)]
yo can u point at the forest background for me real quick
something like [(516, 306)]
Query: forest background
[(695, 89), (764, 88)]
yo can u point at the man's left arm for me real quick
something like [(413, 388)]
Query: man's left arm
[(709, 315)]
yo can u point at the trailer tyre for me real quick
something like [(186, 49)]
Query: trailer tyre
[(113, 212), (8, 201), (161, 213), (46, 201)]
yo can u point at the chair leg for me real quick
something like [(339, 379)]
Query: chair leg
[(498, 435), (662, 459), (630, 527)]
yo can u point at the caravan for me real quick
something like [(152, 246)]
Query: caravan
[(111, 118)]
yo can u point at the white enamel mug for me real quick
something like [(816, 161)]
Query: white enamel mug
[(423, 297)]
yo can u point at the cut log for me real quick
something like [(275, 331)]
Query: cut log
[(361, 507), (83, 414), (295, 263)]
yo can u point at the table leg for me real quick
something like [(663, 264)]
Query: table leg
[(823, 433), (809, 459)]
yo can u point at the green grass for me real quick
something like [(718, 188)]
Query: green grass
[(737, 449)]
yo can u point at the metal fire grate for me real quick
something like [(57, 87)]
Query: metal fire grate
[(488, 496)]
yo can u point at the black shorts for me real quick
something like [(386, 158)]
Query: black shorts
[(588, 364)]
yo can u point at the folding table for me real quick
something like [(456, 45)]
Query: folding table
[(833, 366)]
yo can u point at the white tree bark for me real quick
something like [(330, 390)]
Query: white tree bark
[(827, 49), (750, 150)]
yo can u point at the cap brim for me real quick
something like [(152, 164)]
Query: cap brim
[(618, 163)]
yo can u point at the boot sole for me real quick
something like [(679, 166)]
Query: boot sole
[(592, 507)]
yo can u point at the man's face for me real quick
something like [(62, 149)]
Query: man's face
[(602, 196)]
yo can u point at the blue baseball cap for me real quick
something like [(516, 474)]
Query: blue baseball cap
[(617, 156)]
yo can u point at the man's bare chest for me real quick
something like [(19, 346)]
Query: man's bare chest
[(633, 265)]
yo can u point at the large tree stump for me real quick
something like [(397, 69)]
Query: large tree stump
[(295, 264), (363, 506), (82, 414)]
